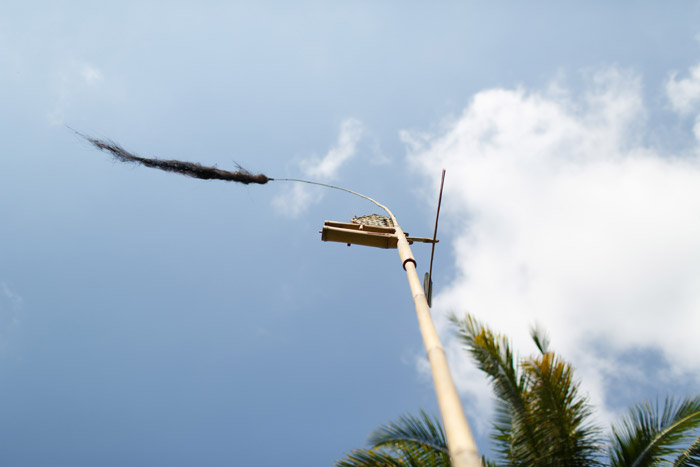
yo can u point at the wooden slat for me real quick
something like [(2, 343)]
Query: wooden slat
[(368, 235), (366, 228), (358, 237), (420, 240)]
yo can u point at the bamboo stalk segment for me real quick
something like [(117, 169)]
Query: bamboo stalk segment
[(460, 441)]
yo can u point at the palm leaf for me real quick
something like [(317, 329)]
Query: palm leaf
[(561, 415), (371, 458), (539, 336), (423, 431), (690, 457), (648, 436), (410, 441), (514, 433)]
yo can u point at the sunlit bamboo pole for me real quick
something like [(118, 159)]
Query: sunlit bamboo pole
[(460, 441)]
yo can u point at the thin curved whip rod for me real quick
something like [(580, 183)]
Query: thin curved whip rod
[(339, 188)]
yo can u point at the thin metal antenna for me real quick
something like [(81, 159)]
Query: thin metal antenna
[(428, 282)]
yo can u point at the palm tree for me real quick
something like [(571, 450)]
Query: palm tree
[(541, 418)]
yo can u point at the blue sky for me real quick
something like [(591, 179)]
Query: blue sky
[(152, 319)]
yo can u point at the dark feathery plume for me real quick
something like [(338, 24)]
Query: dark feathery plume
[(190, 169)]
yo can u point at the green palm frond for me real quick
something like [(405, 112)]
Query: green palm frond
[(424, 431), (410, 441), (690, 457), (517, 443), (540, 417), (648, 436), (541, 339), (560, 414), (371, 458)]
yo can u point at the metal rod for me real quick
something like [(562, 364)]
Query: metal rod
[(437, 216)]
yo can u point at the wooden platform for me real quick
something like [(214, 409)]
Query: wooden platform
[(367, 235)]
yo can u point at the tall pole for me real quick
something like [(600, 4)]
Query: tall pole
[(460, 441)]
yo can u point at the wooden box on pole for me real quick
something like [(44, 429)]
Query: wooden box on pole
[(367, 235), (359, 234)]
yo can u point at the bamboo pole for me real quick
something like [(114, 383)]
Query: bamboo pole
[(460, 442)]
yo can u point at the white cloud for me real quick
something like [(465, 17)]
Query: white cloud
[(327, 167), (14, 298), (562, 217), (69, 84), (10, 303), (296, 199), (90, 74), (684, 94)]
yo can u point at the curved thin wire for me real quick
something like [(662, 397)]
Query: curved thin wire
[(393, 219)]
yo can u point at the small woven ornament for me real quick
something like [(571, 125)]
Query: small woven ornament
[(373, 219)]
